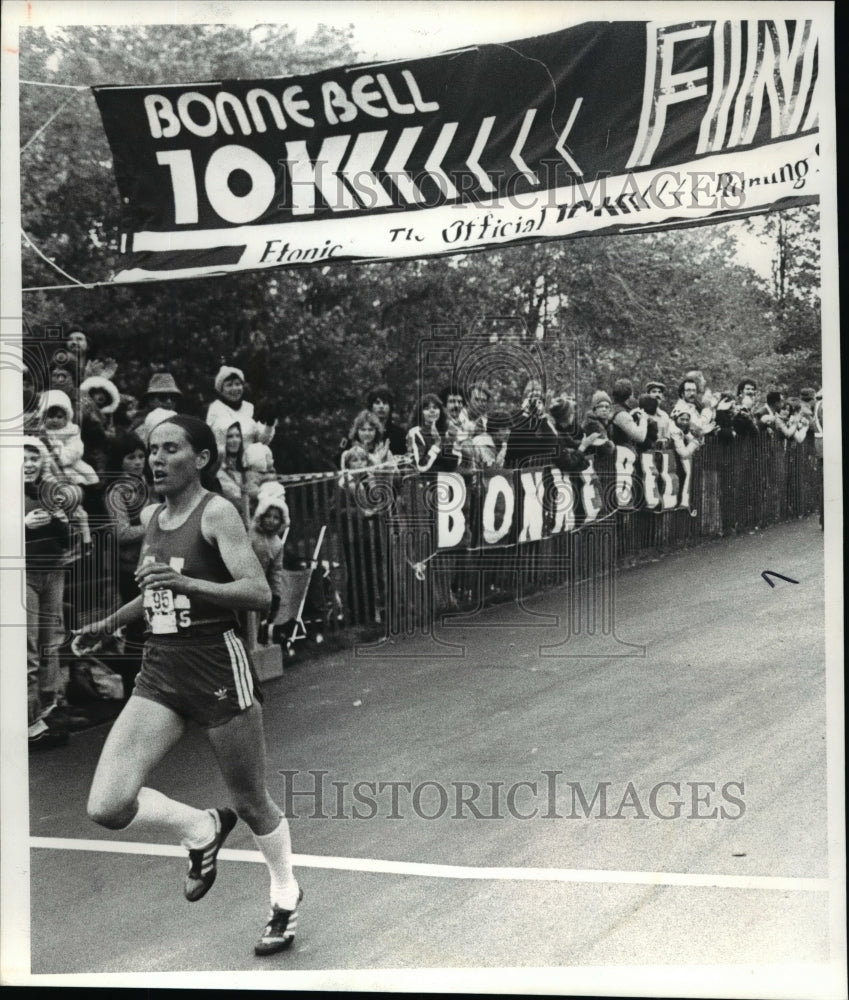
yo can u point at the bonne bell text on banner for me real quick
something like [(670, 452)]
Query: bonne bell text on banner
[(602, 127)]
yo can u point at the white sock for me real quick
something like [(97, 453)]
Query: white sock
[(192, 827), (276, 848)]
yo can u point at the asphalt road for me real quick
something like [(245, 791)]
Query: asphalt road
[(729, 688)]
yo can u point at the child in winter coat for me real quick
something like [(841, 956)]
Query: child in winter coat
[(56, 423), (270, 519), (259, 468)]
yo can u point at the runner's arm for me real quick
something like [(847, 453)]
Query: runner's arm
[(222, 527), (249, 591), (111, 623)]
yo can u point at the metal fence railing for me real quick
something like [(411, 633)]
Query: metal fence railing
[(394, 556), (398, 550)]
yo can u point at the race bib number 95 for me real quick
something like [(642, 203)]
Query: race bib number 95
[(164, 612)]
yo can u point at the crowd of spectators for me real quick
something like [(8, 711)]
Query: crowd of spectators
[(85, 472), (85, 466), (469, 431)]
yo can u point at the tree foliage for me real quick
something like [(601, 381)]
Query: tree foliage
[(312, 341)]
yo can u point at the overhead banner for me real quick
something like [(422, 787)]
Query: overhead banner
[(603, 127)]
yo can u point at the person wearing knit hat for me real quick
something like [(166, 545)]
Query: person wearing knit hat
[(235, 379), (231, 407), (597, 404), (56, 424), (272, 494), (597, 422)]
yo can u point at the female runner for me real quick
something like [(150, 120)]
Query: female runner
[(196, 570)]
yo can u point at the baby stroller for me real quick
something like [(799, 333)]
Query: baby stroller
[(308, 601)]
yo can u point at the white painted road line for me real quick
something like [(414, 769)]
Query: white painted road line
[(775, 883)]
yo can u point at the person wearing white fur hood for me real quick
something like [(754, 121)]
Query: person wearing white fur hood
[(99, 399), (231, 407), (103, 393), (271, 517), (56, 424)]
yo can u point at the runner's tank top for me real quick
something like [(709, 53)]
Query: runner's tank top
[(188, 552)]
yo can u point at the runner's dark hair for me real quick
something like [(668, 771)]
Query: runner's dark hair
[(201, 438)]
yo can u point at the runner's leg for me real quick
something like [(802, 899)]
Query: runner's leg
[(239, 746), (142, 735)]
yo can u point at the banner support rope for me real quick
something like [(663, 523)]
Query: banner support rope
[(55, 267), (57, 112), (60, 86)]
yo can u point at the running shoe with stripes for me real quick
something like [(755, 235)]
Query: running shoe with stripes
[(202, 861), (279, 932)]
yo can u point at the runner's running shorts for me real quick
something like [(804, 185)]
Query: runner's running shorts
[(209, 679)]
